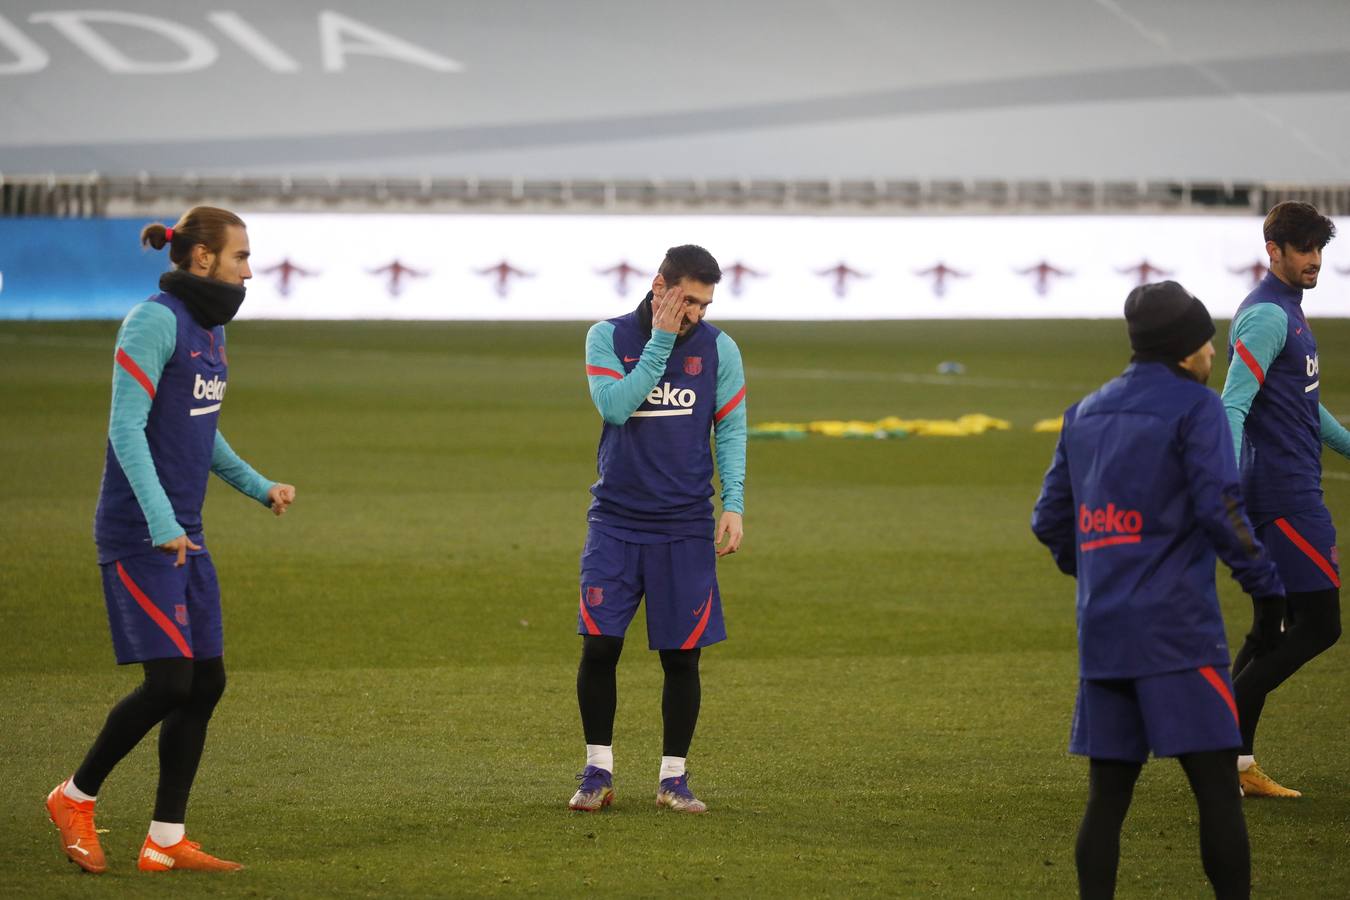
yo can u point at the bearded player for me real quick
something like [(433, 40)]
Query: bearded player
[(1278, 428), (163, 601), (664, 381)]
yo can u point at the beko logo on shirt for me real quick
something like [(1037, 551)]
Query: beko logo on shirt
[(1314, 367), (676, 402), (1109, 527), (1111, 519), (208, 390)]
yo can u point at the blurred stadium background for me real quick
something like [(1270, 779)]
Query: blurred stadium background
[(889, 718)]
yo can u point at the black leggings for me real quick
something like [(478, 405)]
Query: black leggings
[(1312, 624), (1224, 850), (597, 693), (180, 693)]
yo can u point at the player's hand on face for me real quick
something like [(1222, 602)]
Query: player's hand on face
[(668, 310), (179, 545), (731, 528), (280, 496)]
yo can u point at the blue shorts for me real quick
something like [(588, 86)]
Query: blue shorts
[(157, 611), (1170, 714), (1303, 547), (679, 580)]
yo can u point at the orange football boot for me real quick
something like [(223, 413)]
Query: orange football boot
[(185, 855), (75, 821)]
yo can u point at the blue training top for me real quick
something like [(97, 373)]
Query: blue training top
[(1142, 493), (1271, 397), (169, 377), (661, 399)]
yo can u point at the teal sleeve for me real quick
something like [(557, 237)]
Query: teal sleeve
[(1258, 337), (616, 395), (232, 470), (730, 424), (145, 342), (1334, 434)]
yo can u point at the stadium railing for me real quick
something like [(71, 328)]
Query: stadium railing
[(99, 195)]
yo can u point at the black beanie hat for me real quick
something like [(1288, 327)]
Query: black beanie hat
[(1166, 321)]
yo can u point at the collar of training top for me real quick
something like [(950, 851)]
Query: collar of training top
[(644, 314), (211, 302)]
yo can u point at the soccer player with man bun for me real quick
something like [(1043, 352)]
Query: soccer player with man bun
[(1278, 426), (1140, 497), (664, 381), (159, 586)]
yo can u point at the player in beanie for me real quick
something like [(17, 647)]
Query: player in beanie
[(1278, 426), (1140, 497)]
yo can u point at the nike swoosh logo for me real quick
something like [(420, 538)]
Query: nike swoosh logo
[(195, 353), (630, 359), (699, 611)]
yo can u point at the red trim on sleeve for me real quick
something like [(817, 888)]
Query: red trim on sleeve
[(154, 612), (126, 362), (601, 370), (1214, 679), (731, 404), (1308, 550), (1251, 362)]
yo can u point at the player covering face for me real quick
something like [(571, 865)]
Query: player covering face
[(662, 380), (170, 374)]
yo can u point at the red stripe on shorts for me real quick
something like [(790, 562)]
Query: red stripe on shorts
[(1308, 550), (154, 613), (1215, 679), (586, 617), (697, 633)]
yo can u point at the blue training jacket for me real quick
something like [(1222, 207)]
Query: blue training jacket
[(1141, 495), (663, 399)]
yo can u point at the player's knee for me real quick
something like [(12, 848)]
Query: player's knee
[(168, 689), (208, 684), (599, 650), (680, 662)]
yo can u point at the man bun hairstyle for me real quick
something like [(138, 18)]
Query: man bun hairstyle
[(207, 225), (690, 261), (1296, 224)]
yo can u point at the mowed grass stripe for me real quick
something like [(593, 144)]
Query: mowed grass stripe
[(888, 719)]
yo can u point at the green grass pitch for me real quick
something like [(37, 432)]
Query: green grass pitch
[(888, 718)]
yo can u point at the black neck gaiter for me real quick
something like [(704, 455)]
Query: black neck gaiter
[(211, 302)]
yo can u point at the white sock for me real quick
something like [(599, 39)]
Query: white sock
[(671, 766), (1246, 762), (166, 834), (601, 756), (74, 793)]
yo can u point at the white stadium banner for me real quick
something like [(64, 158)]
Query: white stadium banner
[(522, 267)]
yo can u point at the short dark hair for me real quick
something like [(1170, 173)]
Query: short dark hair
[(690, 261), (1299, 225)]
